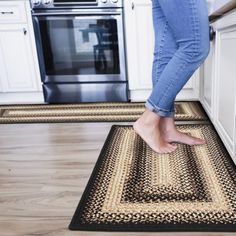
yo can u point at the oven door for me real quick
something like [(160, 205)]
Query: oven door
[(79, 47)]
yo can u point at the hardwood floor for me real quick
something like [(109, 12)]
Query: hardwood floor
[(44, 169)]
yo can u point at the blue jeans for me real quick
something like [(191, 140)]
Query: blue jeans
[(182, 43)]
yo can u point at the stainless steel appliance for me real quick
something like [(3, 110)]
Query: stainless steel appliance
[(80, 45)]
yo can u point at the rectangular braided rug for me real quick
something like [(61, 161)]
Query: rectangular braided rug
[(92, 112), (133, 188)]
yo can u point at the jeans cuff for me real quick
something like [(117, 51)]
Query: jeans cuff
[(159, 110)]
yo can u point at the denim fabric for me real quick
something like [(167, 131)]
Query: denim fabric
[(182, 43)]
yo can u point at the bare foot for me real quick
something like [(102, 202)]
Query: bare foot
[(171, 134), (147, 127)]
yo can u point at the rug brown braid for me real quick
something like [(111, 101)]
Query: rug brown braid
[(133, 188), (91, 112)]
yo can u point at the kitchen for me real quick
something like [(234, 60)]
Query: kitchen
[(46, 164)]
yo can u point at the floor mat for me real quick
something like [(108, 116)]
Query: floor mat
[(92, 112), (133, 188)]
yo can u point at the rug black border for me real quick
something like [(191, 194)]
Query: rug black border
[(74, 226)]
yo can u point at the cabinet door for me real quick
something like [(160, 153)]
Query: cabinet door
[(12, 12), (16, 62), (207, 81), (234, 155), (139, 42), (226, 86)]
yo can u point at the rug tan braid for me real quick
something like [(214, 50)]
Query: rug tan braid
[(133, 188), (91, 112)]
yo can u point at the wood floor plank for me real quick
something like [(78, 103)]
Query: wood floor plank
[(44, 169)]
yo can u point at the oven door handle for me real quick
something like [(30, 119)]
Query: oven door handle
[(63, 13)]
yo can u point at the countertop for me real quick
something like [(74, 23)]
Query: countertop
[(221, 7)]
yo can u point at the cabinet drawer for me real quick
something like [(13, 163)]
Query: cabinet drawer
[(12, 12)]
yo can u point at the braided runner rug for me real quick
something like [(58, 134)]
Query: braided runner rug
[(92, 112)]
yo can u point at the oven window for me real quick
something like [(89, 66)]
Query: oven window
[(80, 46)]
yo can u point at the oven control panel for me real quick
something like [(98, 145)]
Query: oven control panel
[(75, 3), (41, 3)]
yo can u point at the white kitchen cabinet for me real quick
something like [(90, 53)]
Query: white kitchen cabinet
[(12, 12), (19, 70), (225, 113), (219, 83), (234, 152), (15, 57), (139, 37), (139, 47), (207, 80)]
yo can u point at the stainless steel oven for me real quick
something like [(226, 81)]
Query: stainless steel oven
[(80, 47)]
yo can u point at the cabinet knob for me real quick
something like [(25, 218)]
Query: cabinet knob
[(24, 31), (132, 5), (212, 33)]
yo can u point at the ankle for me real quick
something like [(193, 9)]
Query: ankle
[(167, 127), (149, 117)]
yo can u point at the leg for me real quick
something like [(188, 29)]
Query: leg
[(147, 126), (188, 20), (165, 43), (167, 126)]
